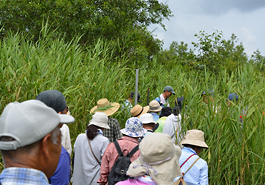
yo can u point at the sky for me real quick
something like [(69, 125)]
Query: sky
[(244, 18)]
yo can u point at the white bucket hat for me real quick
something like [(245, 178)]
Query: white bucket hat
[(147, 118), (28, 122), (100, 119), (194, 137), (159, 159), (133, 128), (154, 106)]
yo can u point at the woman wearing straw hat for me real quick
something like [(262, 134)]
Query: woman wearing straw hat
[(158, 163), (194, 168), (109, 108), (89, 148)]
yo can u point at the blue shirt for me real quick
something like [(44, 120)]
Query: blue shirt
[(198, 174), (26, 176), (127, 107), (62, 174), (155, 116)]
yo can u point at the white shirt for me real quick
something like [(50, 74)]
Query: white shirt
[(66, 140), (86, 168), (173, 127)]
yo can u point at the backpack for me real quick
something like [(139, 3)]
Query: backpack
[(121, 165)]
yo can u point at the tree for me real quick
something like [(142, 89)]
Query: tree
[(216, 53), (111, 20)]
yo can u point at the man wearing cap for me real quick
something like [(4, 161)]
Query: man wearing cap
[(193, 144), (233, 99), (30, 142), (154, 109), (132, 131), (56, 100), (128, 104), (103, 105), (163, 98)]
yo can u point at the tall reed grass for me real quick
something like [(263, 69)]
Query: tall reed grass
[(236, 151)]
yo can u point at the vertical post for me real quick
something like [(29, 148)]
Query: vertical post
[(136, 87)]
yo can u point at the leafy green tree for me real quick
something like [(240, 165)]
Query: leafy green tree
[(217, 54), (112, 20)]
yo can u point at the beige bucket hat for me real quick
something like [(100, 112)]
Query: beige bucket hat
[(159, 159), (103, 105), (194, 137), (100, 119), (154, 106), (138, 110)]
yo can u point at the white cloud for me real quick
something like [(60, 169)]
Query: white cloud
[(191, 17)]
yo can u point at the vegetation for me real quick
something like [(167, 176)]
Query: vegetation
[(86, 74), (124, 22)]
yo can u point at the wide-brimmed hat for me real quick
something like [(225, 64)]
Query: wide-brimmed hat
[(103, 105), (138, 110), (133, 128), (100, 119), (154, 106), (159, 159), (194, 137)]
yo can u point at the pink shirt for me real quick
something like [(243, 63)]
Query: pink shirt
[(132, 182), (111, 155)]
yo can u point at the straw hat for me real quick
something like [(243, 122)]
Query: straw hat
[(100, 119), (154, 106), (103, 105), (138, 110), (159, 159), (133, 128), (194, 137)]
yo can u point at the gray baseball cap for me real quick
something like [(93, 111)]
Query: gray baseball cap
[(28, 122), (170, 89)]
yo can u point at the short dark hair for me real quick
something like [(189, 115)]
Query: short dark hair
[(192, 146)]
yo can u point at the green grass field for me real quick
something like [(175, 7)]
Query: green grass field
[(236, 152)]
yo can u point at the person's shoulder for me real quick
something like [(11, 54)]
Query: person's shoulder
[(81, 136), (113, 120), (157, 99), (64, 151), (101, 137), (202, 162)]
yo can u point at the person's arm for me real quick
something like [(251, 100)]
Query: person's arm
[(68, 145), (104, 169), (204, 175), (62, 173)]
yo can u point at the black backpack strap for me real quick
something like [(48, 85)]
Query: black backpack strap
[(118, 148), (133, 151)]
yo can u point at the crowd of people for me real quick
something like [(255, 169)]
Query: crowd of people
[(152, 149)]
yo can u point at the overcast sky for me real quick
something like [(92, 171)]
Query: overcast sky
[(244, 18)]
